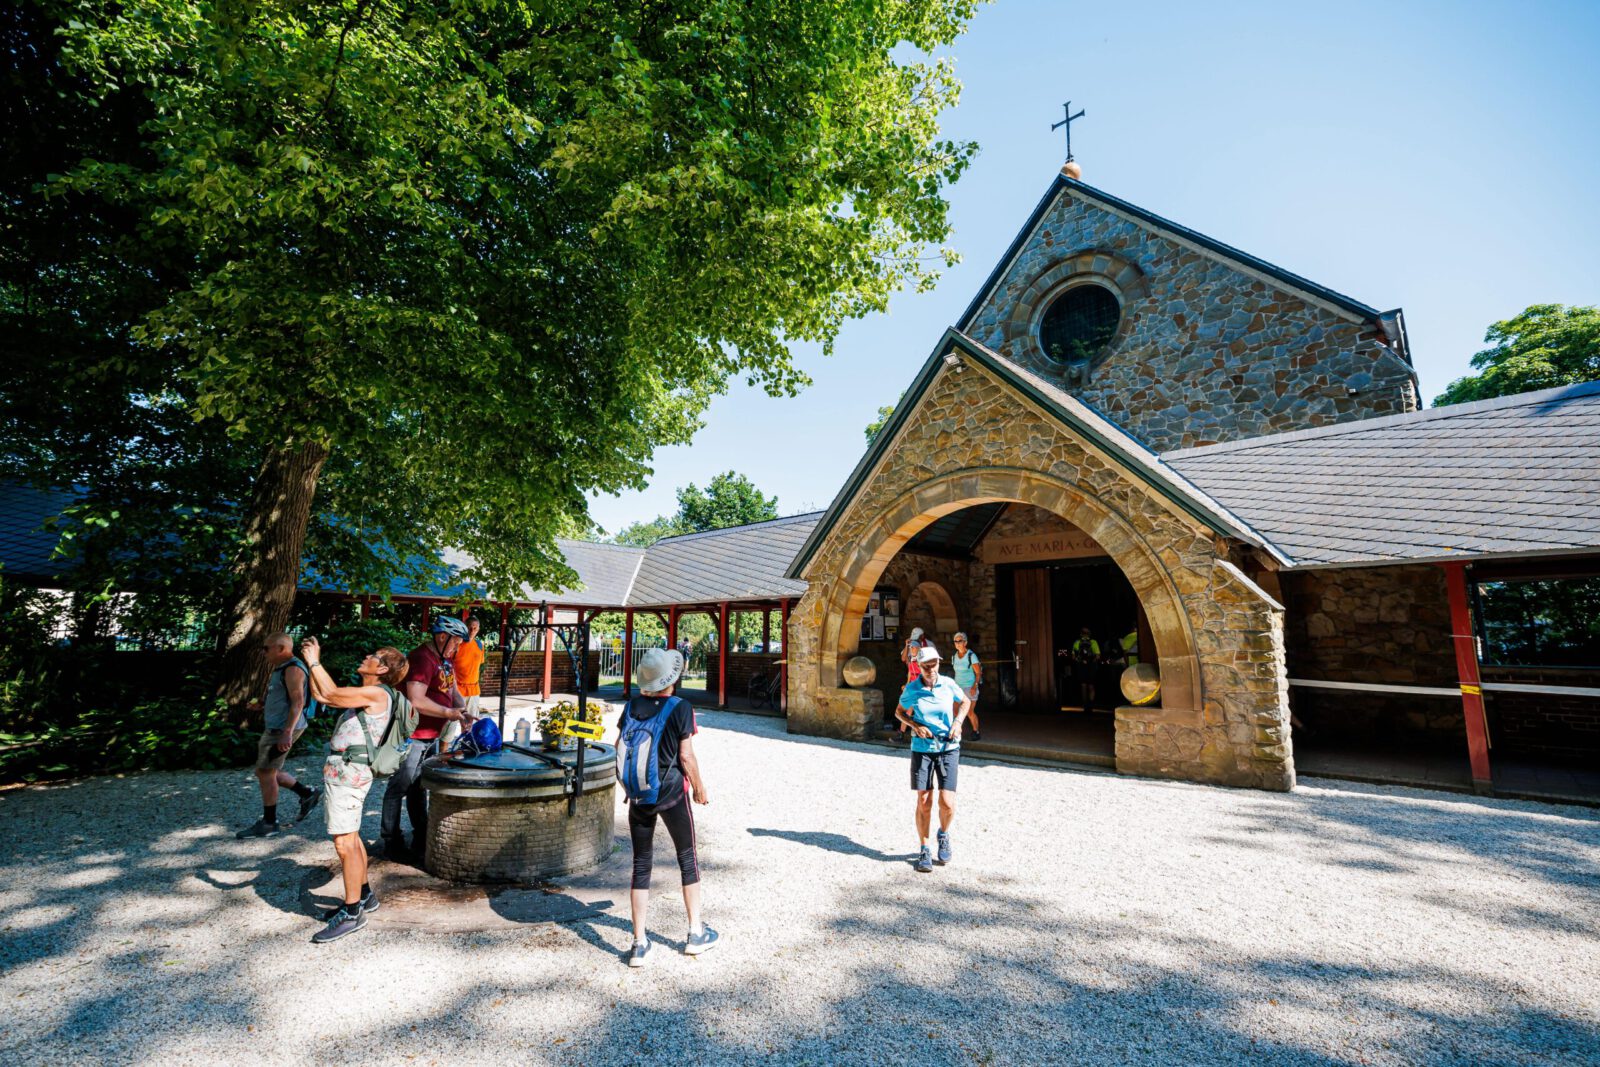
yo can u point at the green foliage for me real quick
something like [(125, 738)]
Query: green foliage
[(1545, 622), (439, 239), (344, 646), (184, 731), (1545, 346), (729, 499), (875, 427)]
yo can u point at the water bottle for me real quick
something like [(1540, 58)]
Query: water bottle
[(524, 732)]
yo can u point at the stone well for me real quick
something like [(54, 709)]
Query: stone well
[(503, 817)]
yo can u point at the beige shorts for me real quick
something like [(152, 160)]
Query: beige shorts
[(268, 758), (344, 794)]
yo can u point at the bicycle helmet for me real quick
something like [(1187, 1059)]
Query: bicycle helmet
[(449, 624), (482, 739)]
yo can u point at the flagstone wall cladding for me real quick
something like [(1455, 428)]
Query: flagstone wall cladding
[(1205, 353), (971, 439)]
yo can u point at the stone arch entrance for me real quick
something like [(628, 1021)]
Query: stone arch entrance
[(921, 505), (946, 620)]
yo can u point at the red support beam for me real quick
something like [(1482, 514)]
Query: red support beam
[(627, 651), (672, 626), (366, 607), (722, 654), (783, 664), (1466, 645), (766, 630)]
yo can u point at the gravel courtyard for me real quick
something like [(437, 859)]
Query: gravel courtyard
[(1087, 918)]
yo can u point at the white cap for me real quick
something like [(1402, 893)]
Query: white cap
[(916, 632), (658, 668), (928, 655)]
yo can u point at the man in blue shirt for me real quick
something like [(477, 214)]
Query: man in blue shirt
[(934, 707)]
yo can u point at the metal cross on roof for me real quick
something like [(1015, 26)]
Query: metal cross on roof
[(1067, 122)]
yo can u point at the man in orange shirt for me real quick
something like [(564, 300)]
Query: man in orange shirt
[(468, 665)]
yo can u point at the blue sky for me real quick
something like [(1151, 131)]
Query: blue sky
[(1440, 157)]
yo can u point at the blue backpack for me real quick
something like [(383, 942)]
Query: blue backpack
[(312, 706), (640, 752)]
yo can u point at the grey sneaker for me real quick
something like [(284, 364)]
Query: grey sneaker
[(924, 864), (344, 921), (308, 803), (944, 849), (640, 950), (367, 904), (704, 941), (260, 828)]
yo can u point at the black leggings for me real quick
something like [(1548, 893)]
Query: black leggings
[(680, 824)]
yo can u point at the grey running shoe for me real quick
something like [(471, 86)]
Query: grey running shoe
[(260, 828), (924, 864), (344, 921), (308, 803), (704, 941), (368, 904), (944, 849), (640, 950)]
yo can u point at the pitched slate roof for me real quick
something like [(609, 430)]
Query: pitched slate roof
[(605, 574), (1081, 418), (1392, 323), (738, 563), (1517, 475), (25, 545)]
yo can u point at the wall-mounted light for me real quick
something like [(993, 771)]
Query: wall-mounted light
[(953, 361)]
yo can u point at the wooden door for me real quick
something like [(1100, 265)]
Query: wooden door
[(1036, 685)]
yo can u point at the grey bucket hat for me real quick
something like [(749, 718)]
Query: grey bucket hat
[(658, 668)]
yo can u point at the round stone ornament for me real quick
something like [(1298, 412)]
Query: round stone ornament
[(1141, 684), (859, 671)]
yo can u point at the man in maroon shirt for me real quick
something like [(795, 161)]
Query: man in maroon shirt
[(430, 685)]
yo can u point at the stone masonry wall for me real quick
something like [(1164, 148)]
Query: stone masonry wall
[(972, 440), (509, 839), (1205, 352), (1389, 625)]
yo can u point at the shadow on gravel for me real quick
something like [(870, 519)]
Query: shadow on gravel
[(839, 843), (1402, 831)]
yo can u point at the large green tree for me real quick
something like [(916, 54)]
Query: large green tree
[(435, 271), (1545, 346), (729, 499)]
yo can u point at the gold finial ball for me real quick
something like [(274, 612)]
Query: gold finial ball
[(1072, 170), (859, 672)]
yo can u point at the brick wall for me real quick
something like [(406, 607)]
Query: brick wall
[(1538, 726), (527, 673)]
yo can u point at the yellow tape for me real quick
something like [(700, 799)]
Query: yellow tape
[(591, 731), (1472, 690)]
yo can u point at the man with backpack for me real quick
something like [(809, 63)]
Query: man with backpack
[(430, 686), (366, 744), (933, 707), (658, 771), (284, 715)]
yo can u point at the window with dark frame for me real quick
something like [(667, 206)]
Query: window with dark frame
[(1540, 622), (1080, 323)]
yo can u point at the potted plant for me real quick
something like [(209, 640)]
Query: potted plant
[(553, 720)]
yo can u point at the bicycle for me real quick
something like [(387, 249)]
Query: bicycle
[(766, 690)]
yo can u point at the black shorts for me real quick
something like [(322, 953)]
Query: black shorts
[(929, 768)]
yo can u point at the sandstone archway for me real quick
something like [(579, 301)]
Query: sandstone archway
[(849, 592), (940, 602)]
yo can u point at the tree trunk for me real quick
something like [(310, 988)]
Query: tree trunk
[(267, 574)]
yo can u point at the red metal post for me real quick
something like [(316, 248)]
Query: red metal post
[(627, 651), (1466, 644), (366, 607), (672, 626), (783, 664), (722, 654), (766, 630)]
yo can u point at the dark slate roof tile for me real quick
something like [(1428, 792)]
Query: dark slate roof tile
[(1518, 474)]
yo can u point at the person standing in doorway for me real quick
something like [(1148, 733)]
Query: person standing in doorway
[(664, 724), (431, 688), (1085, 665), (968, 671), (468, 669), (933, 708), (283, 714), (908, 655)]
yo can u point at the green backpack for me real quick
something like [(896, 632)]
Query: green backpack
[(389, 753)]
